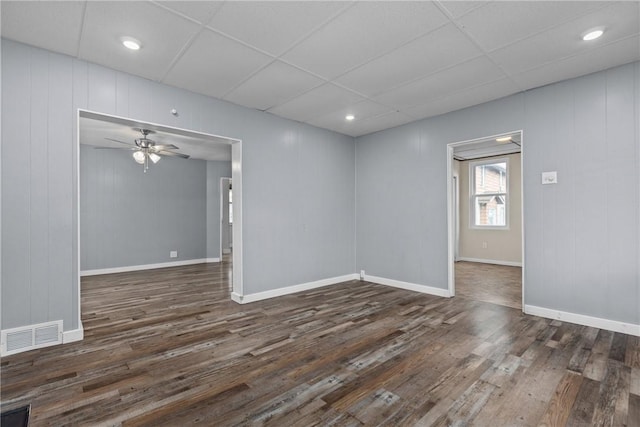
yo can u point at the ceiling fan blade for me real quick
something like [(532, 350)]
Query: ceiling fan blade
[(160, 147), (171, 153), (120, 142), (116, 148)]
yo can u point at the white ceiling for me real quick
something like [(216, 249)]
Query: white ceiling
[(95, 129), (386, 62), (487, 147)]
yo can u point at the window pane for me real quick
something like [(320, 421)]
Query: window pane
[(490, 210), (490, 178)]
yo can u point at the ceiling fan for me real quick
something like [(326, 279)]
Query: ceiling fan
[(146, 149)]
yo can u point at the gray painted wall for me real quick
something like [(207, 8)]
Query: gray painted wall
[(581, 235), (128, 217), (215, 171), (299, 187), (293, 233)]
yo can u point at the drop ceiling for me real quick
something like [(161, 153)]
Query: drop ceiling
[(489, 147), (95, 129), (387, 63)]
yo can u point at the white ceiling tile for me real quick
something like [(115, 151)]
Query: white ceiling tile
[(161, 33), (50, 25), (439, 49), (620, 20), (363, 32), (471, 73), (499, 23), (377, 123), (316, 102), (273, 85), (214, 64), (336, 119), (458, 8), (272, 26), (618, 53), (200, 11), (465, 98)]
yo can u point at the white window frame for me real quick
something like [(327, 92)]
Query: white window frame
[(473, 195)]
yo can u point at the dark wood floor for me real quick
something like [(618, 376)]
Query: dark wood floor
[(168, 348), (498, 284)]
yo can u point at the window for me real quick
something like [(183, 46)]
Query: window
[(489, 193)]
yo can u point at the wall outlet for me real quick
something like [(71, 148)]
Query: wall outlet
[(173, 254), (484, 245), (361, 274), (549, 178)]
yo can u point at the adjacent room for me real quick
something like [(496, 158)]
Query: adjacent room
[(486, 217), (378, 213)]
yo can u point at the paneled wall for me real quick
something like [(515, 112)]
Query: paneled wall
[(129, 218), (298, 181), (581, 235), (299, 186)]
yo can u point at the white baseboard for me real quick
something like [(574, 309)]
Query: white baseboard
[(581, 319), (147, 266), (408, 286), (491, 261), (73, 335), (244, 299)]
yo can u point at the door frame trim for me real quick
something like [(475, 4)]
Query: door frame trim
[(450, 206), (236, 176)]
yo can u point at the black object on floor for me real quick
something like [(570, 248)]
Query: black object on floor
[(18, 417)]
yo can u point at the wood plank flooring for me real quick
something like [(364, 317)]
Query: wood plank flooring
[(498, 284), (168, 348)]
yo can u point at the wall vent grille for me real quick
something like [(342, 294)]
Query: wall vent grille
[(30, 337)]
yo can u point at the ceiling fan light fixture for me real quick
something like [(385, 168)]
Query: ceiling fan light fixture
[(131, 43), (139, 156), (154, 157)]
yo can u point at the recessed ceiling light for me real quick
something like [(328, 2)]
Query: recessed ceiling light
[(350, 117), (592, 35), (503, 139), (130, 43)]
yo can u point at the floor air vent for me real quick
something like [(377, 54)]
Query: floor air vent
[(27, 338)]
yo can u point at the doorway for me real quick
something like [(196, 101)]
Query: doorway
[(226, 217), (485, 232), (199, 143)]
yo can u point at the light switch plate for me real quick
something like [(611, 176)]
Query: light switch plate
[(549, 178)]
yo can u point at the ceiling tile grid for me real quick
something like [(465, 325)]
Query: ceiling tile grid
[(50, 25), (464, 98), (273, 26), (561, 42), (425, 55), (198, 11), (214, 64), (319, 101), (363, 32), (385, 62), (162, 34), (336, 119), (468, 74), (273, 85)]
